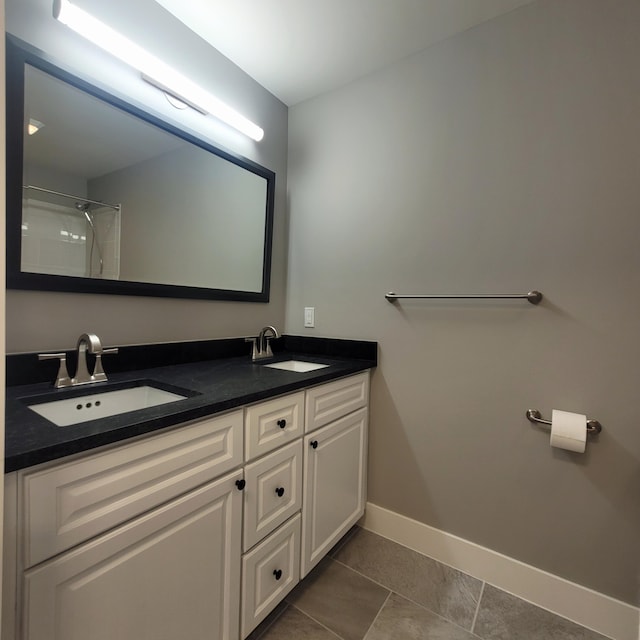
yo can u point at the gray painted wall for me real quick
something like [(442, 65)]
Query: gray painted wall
[(206, 230), (501, 160), (50, 321)]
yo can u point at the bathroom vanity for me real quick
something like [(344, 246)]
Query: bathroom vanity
[(195, 529)]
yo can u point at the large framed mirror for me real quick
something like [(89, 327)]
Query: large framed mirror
[(103, 197)]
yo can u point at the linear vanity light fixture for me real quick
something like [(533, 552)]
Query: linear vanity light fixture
[(152, 69)]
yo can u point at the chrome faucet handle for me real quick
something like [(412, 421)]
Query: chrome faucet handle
[(62, 378), (98, 372)]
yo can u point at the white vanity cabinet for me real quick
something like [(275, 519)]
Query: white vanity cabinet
[(327, 472), (135, 542), (196, 531), (272, 503), (335, 454)]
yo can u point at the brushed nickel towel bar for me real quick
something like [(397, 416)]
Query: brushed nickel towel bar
[(534, 297), (533, 415), (71, 197)]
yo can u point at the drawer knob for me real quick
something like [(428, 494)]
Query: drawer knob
[(282, 423), (241, 484), (314, 444), (277, 573), (280, 491)]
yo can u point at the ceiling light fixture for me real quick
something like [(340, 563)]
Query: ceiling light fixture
[(152, 69), (34, 126)]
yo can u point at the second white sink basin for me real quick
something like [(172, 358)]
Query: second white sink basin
[(296, 365), (103, 404)]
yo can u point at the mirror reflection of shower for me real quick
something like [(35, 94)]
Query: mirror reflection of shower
[(95, 242), (69, 235)]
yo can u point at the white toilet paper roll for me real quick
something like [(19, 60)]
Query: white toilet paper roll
[(568, 431)]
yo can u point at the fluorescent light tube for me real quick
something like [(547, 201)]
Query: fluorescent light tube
[(153, 70)]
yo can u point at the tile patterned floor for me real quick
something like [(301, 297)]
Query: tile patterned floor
[(370, 588)]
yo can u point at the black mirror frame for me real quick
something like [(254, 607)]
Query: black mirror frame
[(18, 54)]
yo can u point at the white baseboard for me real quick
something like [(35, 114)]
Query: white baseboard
[(584, 606)]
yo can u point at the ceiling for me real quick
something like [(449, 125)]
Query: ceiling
[(82, 135), (298, 49)]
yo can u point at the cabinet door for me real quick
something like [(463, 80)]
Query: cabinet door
[(171, 573), (334, 485)]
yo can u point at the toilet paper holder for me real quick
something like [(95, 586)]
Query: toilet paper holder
[(533, 415)]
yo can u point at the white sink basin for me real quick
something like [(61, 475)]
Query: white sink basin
[(103, 404), (296, 365)]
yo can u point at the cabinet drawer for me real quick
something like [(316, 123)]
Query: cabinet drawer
[(331, 401), (273, 492), (269, 572), (173, 572), (70, 503), (271, 424)]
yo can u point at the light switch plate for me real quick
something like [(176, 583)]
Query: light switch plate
[(310, 317)]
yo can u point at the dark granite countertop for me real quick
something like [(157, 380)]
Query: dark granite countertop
[(219, 384)]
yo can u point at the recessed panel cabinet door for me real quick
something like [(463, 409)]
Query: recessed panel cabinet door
[(172, 573), (334, 484)]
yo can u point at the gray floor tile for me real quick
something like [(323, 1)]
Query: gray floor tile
[(340, 599), (505, 617), (401, 619), (446, 591), (295, 625)]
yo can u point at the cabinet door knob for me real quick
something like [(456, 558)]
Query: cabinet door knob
[(241, 484), (282, 423), (280, 491), (314, 444), (277, 573)]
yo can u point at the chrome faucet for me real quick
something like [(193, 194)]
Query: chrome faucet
[(87, 343), (261, 348)]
